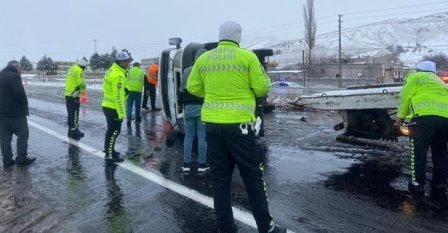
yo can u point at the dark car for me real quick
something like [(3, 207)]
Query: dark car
[(286, 89)]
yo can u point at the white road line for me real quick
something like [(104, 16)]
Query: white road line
[(239, 214)]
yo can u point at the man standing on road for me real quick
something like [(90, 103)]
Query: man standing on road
[(424, 99), (134, 84), (114, 103), (152, 79), (75, 84), (13, 112), (229, 78), (192, 122)]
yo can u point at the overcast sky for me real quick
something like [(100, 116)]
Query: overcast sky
[(66, 30)]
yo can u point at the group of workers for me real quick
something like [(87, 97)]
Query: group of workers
[(137, 82), (218, 104), (218, 98), (123, 90)]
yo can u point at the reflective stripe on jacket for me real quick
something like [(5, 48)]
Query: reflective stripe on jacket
[(75, 82), (135, 79), (423, 93), (229, 78), (113, 90)]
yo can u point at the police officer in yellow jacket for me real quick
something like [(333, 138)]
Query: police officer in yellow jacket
[(75, 84), (114, 103), (136, 77), (424, 99), (229, 78)]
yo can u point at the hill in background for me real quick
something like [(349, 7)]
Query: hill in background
[(397, 40)]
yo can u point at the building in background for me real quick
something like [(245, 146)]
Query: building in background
[(145, 62), (63, 66)]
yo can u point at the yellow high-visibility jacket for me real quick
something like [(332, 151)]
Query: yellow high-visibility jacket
[(423, 94), (135, 79), (228, 78), (114, 90), (75, 82)]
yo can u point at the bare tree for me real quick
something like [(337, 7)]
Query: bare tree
[(440, 59), (310, 29)]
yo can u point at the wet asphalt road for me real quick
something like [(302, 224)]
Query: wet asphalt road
[(314, 183)]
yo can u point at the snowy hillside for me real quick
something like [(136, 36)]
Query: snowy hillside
[(414, 38)]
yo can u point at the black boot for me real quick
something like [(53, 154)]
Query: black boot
[(115, 157), (25, 161), (438, 192), (75, 133), (115, 153), (416, 188), (277, 229), (9, 163)]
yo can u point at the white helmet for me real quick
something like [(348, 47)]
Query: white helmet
[(82, 62), (122, 56), (427, 66)]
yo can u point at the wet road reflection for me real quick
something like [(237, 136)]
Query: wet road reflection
[(200, 183), (116, 215), (16, 199), (371, 178), (135, 145), (74, 166), (314, 183), (383, 183)]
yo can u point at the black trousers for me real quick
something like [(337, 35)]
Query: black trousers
[(429, 131), (227, 146), (72, 104), (145, 98), (152, 95), (113, 130), (19, 127)]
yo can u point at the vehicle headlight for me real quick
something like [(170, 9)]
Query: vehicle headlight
[(404, 130)]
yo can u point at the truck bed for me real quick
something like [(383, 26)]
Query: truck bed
[(384, 97)]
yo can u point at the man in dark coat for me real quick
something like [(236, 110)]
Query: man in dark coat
[(13, 112)]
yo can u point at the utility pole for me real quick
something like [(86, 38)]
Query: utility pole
[(94, 42), (303, 70), (340, 52)]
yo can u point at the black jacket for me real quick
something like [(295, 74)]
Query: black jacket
[(13, 100), (146, 84), (184, 97)]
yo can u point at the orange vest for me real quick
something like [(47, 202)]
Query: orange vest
[(151, 74)]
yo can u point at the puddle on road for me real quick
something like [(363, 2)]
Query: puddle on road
[(371, 178), (303, 166), (385, 184)]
